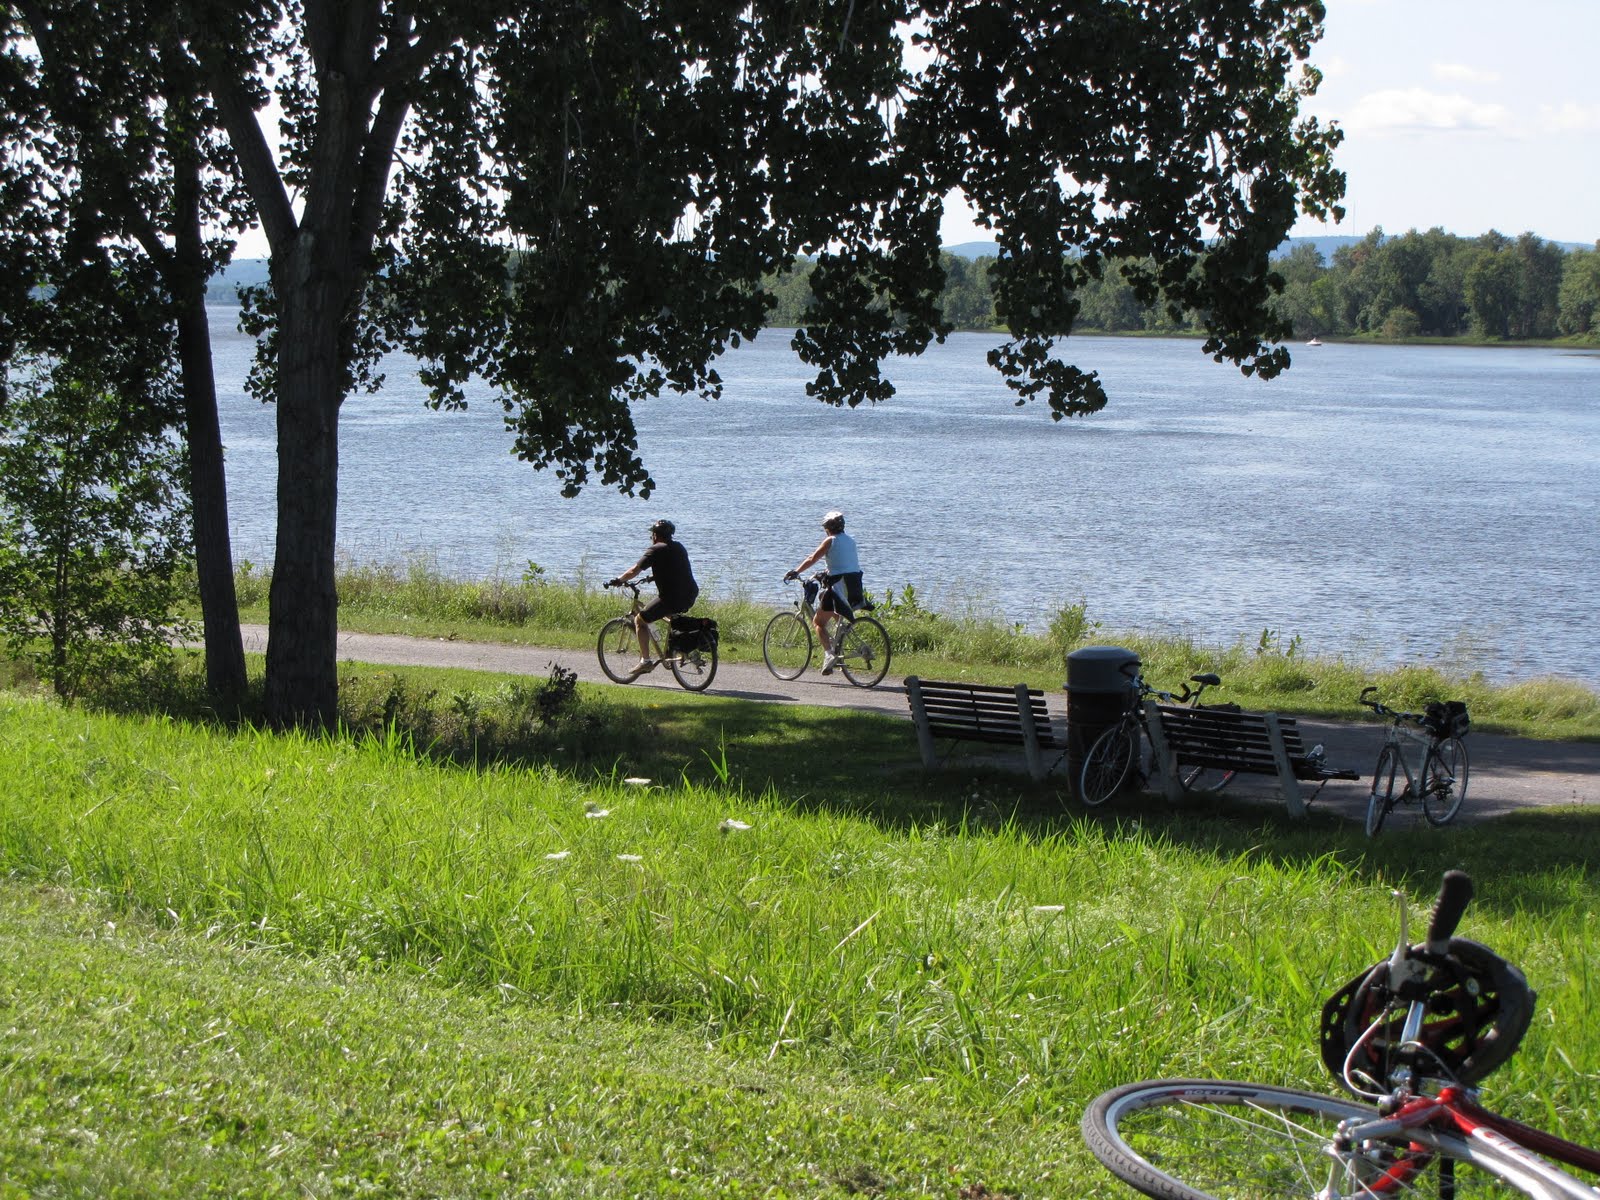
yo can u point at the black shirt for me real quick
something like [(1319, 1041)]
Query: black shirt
[(669, 563)]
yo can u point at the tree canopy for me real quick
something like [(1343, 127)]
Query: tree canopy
[(579, 201)]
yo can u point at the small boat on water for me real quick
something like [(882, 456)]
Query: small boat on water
[(1316, 341)]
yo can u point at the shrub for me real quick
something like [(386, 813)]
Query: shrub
[(94, 528)]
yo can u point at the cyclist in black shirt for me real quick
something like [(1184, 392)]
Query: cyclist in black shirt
[(676, 590)]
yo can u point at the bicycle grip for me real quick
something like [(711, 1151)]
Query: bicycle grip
[(1455, 893)]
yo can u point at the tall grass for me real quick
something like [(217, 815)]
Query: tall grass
[(1026, 962), (1273, 671)]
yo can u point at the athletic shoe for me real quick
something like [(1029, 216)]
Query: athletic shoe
[(644, 665), (829, 662)]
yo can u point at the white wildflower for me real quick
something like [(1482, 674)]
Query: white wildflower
[(732, 825)]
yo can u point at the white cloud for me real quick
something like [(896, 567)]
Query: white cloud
[(1570, 118), (1410, 110), (1460, 73)]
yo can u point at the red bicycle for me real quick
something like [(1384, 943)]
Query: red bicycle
[(1409, 1038)]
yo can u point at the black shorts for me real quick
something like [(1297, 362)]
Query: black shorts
[(661, 607), (834, 603)]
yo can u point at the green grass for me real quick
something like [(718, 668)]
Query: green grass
[(1274, 672), (141, 1061), (343, 966)]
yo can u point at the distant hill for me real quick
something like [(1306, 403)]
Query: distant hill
[(1325, 247), (242, 272)]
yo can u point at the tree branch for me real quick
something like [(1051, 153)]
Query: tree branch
[(256, 164)]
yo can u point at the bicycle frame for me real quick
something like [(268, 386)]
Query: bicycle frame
[(1453, 1111), (1402, 739), (656, 644)]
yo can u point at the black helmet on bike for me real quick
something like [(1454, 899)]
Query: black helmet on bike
[(663, 530), (1479, 1006)]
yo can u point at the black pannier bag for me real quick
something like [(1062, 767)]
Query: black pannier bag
[(692, 633), (1446, 720)]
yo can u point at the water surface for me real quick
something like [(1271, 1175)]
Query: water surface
[(1433, 504)]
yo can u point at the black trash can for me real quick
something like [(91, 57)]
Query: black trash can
[(1099, 690)]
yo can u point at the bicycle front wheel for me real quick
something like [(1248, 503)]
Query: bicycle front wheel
[(1200, 1139), (1381, 799), (696, 669), (787, 646), (863, 649), (618, 649), (1108, 763), (1444, 781)]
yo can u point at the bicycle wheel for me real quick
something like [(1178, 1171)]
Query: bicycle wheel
[(694, 670), (1381, 801), (1107, 765), (787, 646), (1201, 1139), (1444, 781), (618, 649), (1202, 780), (863, 649)]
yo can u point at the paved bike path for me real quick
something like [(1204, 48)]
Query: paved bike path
[(1508, 773)]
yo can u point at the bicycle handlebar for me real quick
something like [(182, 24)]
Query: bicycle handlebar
[(1131, 669), (1383, 710)]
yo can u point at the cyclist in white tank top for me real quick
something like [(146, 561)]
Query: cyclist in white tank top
[(844, 572)]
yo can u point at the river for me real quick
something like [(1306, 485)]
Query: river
[(1390, 503)]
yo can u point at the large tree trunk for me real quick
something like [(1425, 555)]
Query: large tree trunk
[(302, 631), (208, 491)]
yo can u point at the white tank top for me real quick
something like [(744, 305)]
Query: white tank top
[(841, 555)]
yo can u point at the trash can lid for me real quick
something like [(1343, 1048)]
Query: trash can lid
[(1100, 669), (1120, 654)]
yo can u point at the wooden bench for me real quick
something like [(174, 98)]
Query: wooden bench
[(976, 712), (1229, 739)]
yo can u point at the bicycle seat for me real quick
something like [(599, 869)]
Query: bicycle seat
[(1478, 1008)]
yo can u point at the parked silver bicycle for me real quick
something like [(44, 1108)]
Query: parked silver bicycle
[(1431, 740), (861, 643)]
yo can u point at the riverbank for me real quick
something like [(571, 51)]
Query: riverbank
[(1275, 673)]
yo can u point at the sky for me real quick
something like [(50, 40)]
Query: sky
[(1468, 115)]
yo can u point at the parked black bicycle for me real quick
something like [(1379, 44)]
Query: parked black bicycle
[(1117, 756)]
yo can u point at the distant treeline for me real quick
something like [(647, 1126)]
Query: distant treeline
[(1431, 284)]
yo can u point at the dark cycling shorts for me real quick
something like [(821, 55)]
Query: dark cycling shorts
[(660, 607)]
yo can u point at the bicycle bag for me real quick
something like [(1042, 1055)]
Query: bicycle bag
[(692, 633), (1446, 720)]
